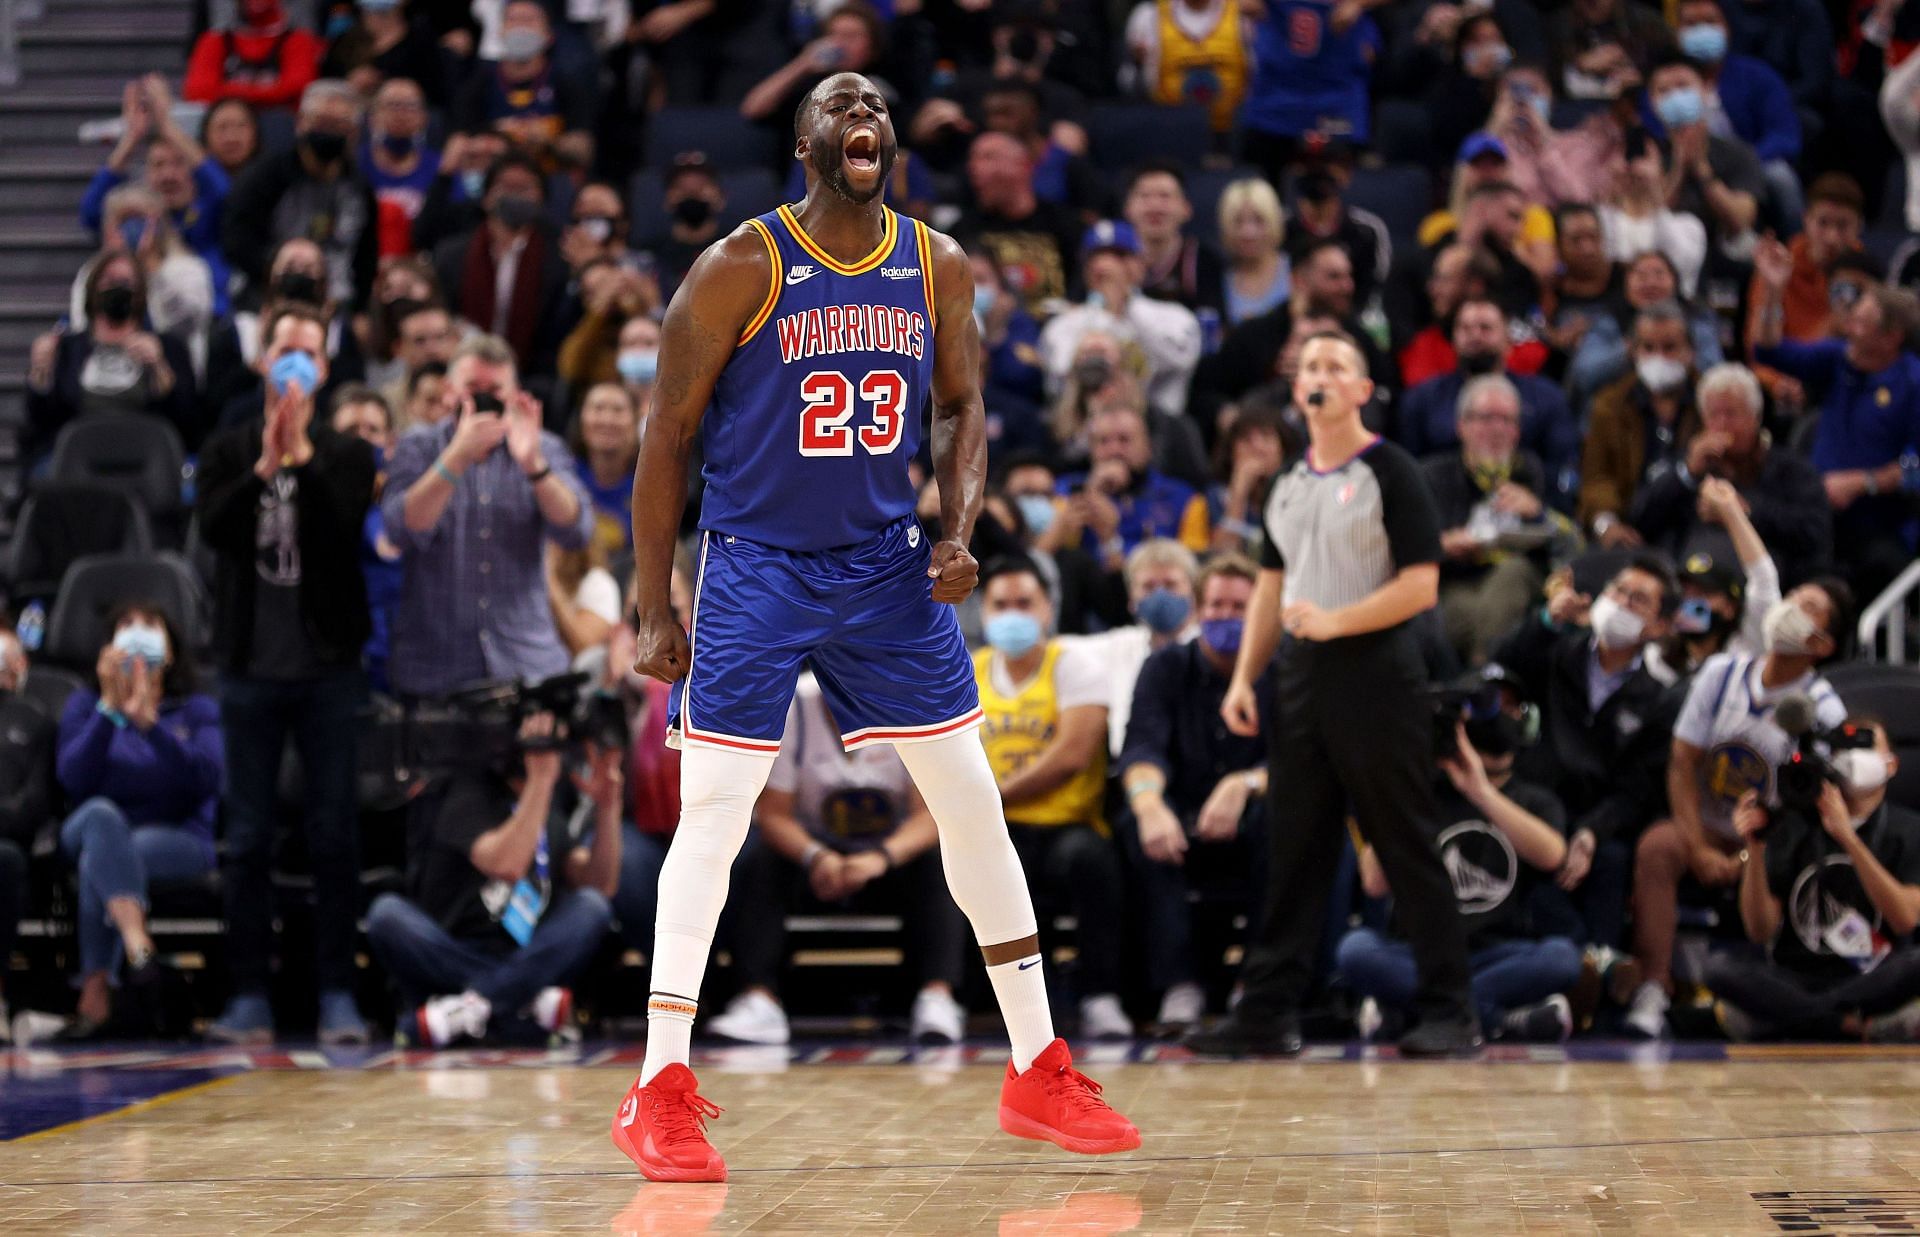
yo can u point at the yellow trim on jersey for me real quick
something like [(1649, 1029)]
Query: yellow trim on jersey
[(773, 283), (925, 243), (880, 254)]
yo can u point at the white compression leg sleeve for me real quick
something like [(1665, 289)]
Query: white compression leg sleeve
[(985, 877), (717, 794)]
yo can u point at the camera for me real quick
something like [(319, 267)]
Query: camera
[(1481, 704), (1798, 779)]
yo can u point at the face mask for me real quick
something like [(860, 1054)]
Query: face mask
[(473, 184), (1863, 771), (638, 365), (515, 210), (142, 642), (1479, 362), (114, 304), (1614, 626), (596, 229), (521, 46), (1704, 42), (983, 299), (693, 212), (1023, 45), (1222, 635), (1659, 373), (294, 369), (1037, 511), (1789, 629), (1678, 108), (398, 145), (325, 147), (1695, 617), (1317, 186), (1488, 60), (1012, 633), (297, 286), (1164, 611), (133, 231)]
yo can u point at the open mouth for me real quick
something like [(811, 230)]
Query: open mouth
[(862, 148)]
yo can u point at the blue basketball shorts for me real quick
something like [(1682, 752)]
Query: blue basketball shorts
[(891, 661)]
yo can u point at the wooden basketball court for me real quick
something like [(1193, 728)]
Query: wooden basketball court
[(865, 1140)]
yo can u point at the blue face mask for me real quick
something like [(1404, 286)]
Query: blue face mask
[(638, 366), (1012, 632), (1222, 635), (1678, 108), (294, 369), (473, 184), (1704, 42), (1164, 611), (983, 299), (1037, 511), (133, 231), (142, 643)]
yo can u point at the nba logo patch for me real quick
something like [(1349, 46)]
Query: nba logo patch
[(913, 536), (1345, 494)]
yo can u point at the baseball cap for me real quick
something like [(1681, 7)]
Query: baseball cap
[(1478, 145), (1703, 571), (1110, 234), (689, 162)]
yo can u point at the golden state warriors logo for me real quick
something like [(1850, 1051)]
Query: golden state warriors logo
[(1731, 770)]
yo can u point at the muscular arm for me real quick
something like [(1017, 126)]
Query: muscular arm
[(959, 420), (1412, 590)]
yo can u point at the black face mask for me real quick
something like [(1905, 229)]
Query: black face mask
[(114, 304), (325, 147), (516, 210), (1024, 45), (297, 286), (1477, 363), (1092, 372), (692, 212), (1317, 187)]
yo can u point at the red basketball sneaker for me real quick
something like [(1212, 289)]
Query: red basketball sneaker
[(1056, 1103), (662, 1127)]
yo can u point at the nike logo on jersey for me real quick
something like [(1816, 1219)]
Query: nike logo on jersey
[(628, 1110), (800, 274)]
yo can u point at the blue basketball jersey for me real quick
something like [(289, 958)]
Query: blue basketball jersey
[(817, 413)]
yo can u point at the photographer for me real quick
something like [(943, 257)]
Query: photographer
[(1725, 744), (1834, 896), (505, 904)]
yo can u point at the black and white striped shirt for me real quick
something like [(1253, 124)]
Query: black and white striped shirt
[(1341, 534)]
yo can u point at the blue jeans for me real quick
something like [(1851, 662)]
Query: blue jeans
[(116, 860), (256, 716), (638, 897), (1237, 868), (426, 960), (1506, 976)]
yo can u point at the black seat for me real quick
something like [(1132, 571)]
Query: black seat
[(727, 139), (1120, 135), (65, 521), (99, 584), (1892, 694), (125, 450), (49, 686)]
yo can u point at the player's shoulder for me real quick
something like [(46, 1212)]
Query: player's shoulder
[(733, 275)]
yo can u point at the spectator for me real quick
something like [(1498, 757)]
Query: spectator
[(1551, 167), (394, 156), (1032, 241), (230, 131), (386, 45), (1867, 443), (1195, 792), (1127, 501), (1249, 457), (1587, 283), (1194, 53), (584, 597), (427, 401), (1045, 734), (1310, 77), (1602, 44), (191, 184), (1321, 213), (424, 335), (1021, 43), (1109, 371), (1459, 273), (1636, 217), (26, 792), (1727, 744), (638, 361), (612, 296), (1429, 413), (545, 113), (597, 232), (1722, 609), (265, 61), (141, 757), (1180, 267), (1258, 278), (1061, 175), (1160, 577), (1422, 47), (1489, 213), (1084, 597), (505, 903), (313, 192), (850, 829), (696, 204), (1167, 333), (1014, 385), (282, 505), (468, 502), (1854, 861), (1604, 726), (606, 446), (1715, 177), (403, 284), (1748, 95), (1808, 311), (850, 41), (1795, 37), (1488, 495), (113, 364), (237, 350), (361, 412), (1639, 425), (453, 201), (510, 277), (1500, 838), (1604, 357), (1460, 98), (1781, 490), (180, 291)]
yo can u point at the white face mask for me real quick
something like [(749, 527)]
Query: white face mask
[(1614, 626), (1659, 373), (1788, 628), (1863, 769)]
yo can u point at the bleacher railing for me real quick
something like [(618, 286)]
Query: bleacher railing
[(1883, 624)]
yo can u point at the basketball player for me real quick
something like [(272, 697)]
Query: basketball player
[(810, 340)]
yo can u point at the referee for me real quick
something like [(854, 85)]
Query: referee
[(1352, 555)]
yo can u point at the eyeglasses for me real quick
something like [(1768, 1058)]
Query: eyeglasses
[(1491, 418)]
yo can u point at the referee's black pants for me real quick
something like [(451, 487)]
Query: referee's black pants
[(1352, 727)]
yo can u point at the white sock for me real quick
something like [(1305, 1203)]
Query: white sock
[(717, 794), (984, 875)]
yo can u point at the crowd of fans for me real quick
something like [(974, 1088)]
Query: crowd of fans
[(380, 268)]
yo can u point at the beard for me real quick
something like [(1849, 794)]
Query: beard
[(831, 165)]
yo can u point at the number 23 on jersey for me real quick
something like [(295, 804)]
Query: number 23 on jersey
[(831, 404)]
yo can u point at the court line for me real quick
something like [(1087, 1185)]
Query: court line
[(146, 1105), (1082, 1165)]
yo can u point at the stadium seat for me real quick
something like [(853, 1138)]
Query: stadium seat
[(49, 686), (128, 451), (726, 138), (99, 584), (1400, 193), (63, 522), (1122, 135), (1204, 189), (1892, 694)]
